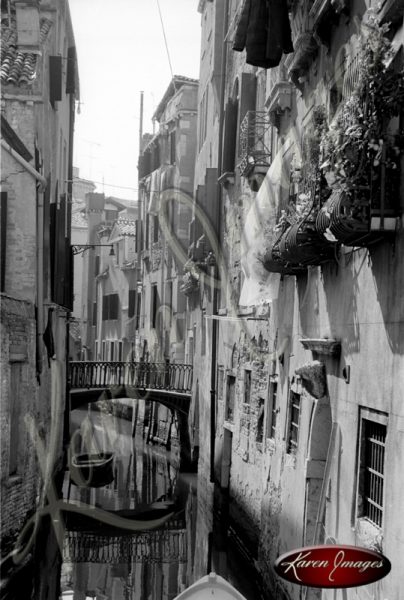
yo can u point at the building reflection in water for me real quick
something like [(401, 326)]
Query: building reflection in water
[(106, 563)]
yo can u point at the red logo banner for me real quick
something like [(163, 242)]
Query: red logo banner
[(332, 566)]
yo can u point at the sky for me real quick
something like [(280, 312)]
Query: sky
[(121, 51)]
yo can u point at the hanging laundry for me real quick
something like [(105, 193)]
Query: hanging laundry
[(264, 31)]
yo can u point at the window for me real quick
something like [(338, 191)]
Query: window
[(138, 309), (146, 243), (110, 307), (112, 351), (371, 468), (120, 351), (103, 351), (260, 421), (273, 409), (131, 302), (154, 305), (172, 147), (94, 314), (203, 118), (155, 228), (230, 397), (3, 231), (96, 266), (15, 379), (294, 418), (111, 215), (247, 387)]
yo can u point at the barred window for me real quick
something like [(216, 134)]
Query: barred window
[(230, 398), (272, 409), (294, 419), (371, 473), (247, 386)]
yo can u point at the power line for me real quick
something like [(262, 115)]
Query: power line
[(122, 187), (165, 41)]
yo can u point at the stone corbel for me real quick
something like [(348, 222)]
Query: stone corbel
[(313, 378), (279, 101)]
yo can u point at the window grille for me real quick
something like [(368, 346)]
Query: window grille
[(372, 470), (272, 409), (230, 398), (294, 408), (247, 387)]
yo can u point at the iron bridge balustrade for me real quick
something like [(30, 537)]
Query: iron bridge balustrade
[(255, 153), (143, 375), (167, 546)]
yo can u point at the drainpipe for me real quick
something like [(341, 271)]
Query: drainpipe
[(42, 184), (215, 322)]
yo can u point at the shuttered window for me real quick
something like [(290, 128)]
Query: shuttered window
[(110, 307), (55, 79), (131, 303), (230, 136), (294, 421), (71, 71), (3, 241)]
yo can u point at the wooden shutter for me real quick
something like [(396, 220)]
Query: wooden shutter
[(230, 136), (105, 308), (71, 71), (132, 299), (3, 241), (55, 79)]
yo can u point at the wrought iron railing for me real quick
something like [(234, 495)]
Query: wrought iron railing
[(167, 546), (255, 130), (142, 375)]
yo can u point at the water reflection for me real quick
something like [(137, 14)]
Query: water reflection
[(106, 563)]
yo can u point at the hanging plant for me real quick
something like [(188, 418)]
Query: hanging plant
[(358, 138)]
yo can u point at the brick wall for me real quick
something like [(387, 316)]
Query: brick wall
[(19, 485)]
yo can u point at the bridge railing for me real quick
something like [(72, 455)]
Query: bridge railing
[(151, 546), (142, 375)]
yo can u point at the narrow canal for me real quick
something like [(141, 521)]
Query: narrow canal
[(104, 562)]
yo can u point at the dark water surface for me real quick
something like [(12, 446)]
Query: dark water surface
[(104, 562)]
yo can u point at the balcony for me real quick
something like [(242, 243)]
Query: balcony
[(255, 152), (323, 14), (301, 245)]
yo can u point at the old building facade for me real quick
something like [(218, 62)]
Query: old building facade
[(300, 344), (39, 88), (166, 179)]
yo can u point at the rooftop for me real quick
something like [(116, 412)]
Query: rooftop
[(18, 66), (175, 84)]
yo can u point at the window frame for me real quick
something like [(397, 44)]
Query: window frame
[(372, 512), (272, 409), (293, 441), (230, 399)]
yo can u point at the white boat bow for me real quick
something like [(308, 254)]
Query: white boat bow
[(211, 586)]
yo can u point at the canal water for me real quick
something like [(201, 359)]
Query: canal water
[(109, 561)]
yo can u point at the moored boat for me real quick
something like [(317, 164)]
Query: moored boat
[(211, 586), (92, 470)]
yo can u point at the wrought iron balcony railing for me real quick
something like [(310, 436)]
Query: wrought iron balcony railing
[(142, 375), (255, 130)]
